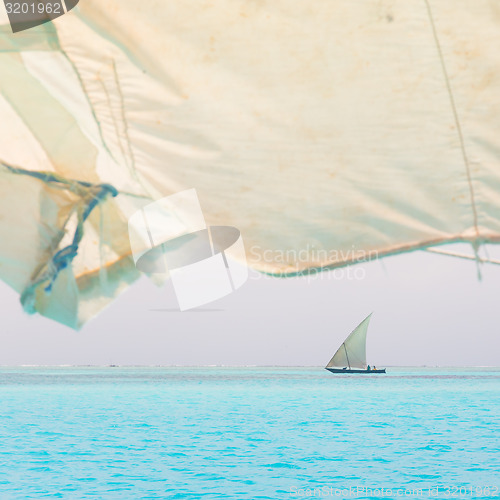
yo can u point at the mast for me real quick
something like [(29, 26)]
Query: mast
[(346, 355)]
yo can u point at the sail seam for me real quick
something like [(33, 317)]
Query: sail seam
[(455, 114)]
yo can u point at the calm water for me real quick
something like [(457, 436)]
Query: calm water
[(133, 433)]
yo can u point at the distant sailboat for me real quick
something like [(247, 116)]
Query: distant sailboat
[(351, 355)]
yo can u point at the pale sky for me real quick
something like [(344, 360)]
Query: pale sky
[(428, 310)]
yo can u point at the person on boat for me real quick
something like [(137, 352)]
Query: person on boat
[(374, 367), (368, 368)]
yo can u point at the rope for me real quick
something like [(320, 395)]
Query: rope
[(455, 114)]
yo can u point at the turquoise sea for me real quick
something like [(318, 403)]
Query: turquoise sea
[(192, 433)]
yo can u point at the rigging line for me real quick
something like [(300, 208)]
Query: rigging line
[(63, 183), (462, 256), (455, 114)]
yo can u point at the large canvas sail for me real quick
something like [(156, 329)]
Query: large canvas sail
[(352, 353), (324, 131)]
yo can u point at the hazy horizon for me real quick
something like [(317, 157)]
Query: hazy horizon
[(237, 366)]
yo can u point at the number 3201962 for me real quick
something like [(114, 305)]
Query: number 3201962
[(34, 8)]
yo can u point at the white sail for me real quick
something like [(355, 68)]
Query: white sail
[(352, 353), (326, 132)]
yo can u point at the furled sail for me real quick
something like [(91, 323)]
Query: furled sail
[(352, 353), (326, 132)]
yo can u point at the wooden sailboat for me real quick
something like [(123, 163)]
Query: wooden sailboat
[(351, 355)]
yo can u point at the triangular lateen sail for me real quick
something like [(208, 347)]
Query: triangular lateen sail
[(352, 353)]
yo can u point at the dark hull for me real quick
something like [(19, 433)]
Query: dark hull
[(340, 370)]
